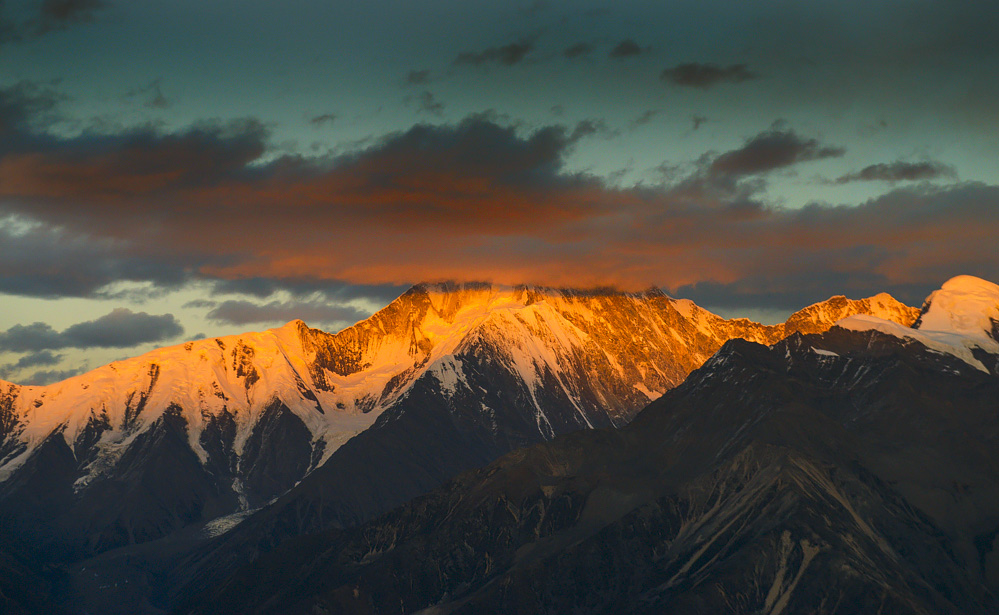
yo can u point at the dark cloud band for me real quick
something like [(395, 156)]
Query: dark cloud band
[(471, 200), (121, 328)]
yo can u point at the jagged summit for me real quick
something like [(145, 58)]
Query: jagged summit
[(449, 295), (817, 317)]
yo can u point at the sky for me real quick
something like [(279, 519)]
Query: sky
[(174, 170)]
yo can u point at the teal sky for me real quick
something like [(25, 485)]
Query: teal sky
[(315, 158)]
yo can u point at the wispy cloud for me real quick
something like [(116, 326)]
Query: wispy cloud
[(704, 76), (39, 18), (506, 55), (627, 49), (323, 119), (899, 171)]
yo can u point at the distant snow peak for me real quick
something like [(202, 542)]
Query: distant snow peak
[(960, 319), (964, 305)]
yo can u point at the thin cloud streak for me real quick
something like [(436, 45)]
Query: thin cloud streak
[(705, 76), (900, 171)]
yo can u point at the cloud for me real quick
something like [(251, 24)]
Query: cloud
[(21, 105), (238, 312), (704, 76), (770, 150), (255, 287), (198, 204), (121, 328), (507, 55), (152, 95), (200, 303), (40, 260), (38, 18), (61, 12), (44, 377), (588, 127), (579, 50), (38, 359), (418, 77), (697, 121), (646, 117), (42, 358), (626, 49), (427, 103), (324, 119), (899, 171), (791, 291), (137, 161), (472, 200), (331, 290), (31, 338)]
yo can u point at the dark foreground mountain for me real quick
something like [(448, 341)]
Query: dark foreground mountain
[(26, 586), (847, 472)]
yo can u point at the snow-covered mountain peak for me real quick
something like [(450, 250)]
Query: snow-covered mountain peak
[(450, 299), (964, 305), (253, 414), (819, 316), (960, 319)]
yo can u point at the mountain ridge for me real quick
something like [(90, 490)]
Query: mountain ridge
[(843, 472), (220, 406)]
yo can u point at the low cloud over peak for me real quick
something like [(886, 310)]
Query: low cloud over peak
[(475, 199)]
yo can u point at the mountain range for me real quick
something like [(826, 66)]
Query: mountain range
[(851, 471), (320, 430)]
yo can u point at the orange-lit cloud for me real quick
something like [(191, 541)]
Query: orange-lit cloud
[(475, 200)]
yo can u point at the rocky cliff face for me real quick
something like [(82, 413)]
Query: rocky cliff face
[(845, 472)]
